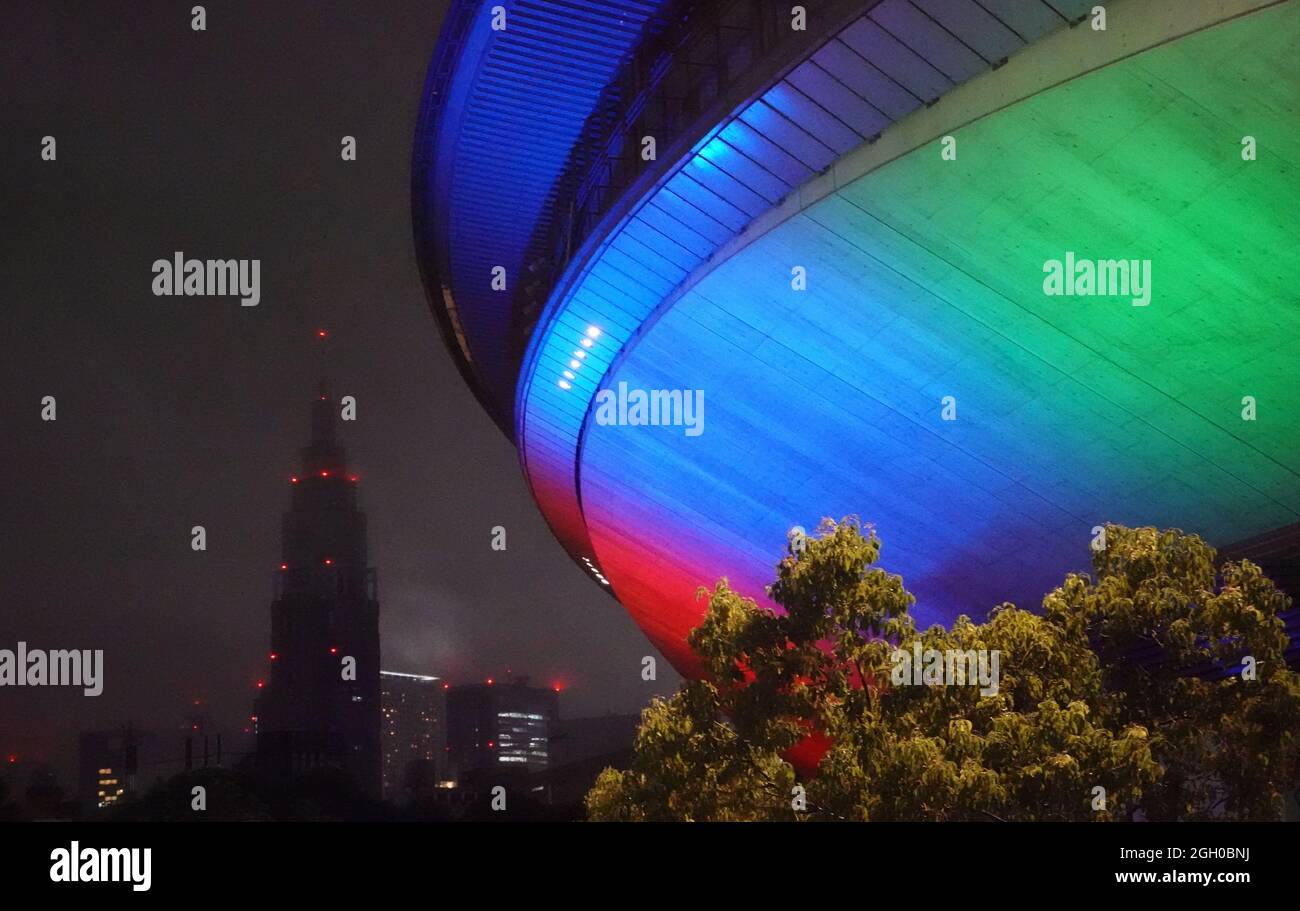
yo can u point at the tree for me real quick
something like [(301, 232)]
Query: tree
[(1157, 690)]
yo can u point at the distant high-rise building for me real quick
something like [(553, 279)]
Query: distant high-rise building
[(115, 765), (319, 705), (500, 726), (414, 711)]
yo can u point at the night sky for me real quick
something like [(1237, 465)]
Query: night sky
[(183, 411)]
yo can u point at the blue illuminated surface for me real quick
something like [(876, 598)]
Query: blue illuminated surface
[(828, 401)]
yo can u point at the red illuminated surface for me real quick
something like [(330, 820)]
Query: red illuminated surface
[(657, 576), (274, 655), (329, 562)]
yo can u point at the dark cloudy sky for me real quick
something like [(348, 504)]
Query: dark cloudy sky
[(176, 411)]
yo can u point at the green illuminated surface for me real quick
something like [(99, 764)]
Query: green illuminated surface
[(925, 280)]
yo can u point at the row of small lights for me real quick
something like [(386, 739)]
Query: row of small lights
[(328, 561), (579, 355), (597, 573), (324, 473), (555, 686)]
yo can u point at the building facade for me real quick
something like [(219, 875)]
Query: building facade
[(116, 765), (413, 707), (319, 705), (500, 728)]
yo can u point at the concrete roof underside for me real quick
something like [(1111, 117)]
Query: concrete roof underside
[(925, 279)]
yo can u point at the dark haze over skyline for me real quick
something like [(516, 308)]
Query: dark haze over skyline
[(183, 411)]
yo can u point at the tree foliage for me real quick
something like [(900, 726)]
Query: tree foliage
[(1125, 698)]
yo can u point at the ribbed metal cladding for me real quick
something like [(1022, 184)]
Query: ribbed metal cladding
[(886, 63), (527, 97), (510, 108)]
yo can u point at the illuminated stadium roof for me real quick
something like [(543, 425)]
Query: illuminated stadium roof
[(924, 298)]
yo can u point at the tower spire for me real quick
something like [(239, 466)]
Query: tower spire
[(323, 452), (326, 612), (322, 357), (322, 421)]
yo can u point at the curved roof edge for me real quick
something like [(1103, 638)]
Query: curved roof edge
[(508, 93), (753, 151), (429, 258)]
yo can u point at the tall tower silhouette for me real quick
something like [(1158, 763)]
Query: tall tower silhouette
[(320, 705)]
